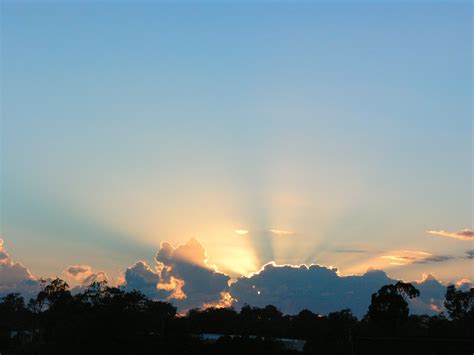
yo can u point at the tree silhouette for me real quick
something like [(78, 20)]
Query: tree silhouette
[(54, 293), (459, 304), (14, 314), (389, 305), (101, 319), (12, 303)]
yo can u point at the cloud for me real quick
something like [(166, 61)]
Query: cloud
[(466, 234), (350, 251), (3, 253), (241, 231), (322, 290), (431, 296), (95, 277), (190, 253), (407, 257), (281, 232), (78, 271), (175, 286), (434, 259), (226, 301), (470, 254), (202, 282), (84, 275), (464, 284), (14, 277), (317, 288), (181, 275), (142, 277)]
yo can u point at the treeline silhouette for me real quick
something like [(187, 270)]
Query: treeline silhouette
[(108, 320)]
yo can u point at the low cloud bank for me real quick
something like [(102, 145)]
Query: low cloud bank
[(182, 276), (322, 290)]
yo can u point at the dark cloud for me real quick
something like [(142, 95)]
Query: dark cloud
[(181, 275), (316, 288), (464, 285), (78, 270), (321, 290), (434, 259), (431, 296), (201, 283), (470, 254), (415, 257), (14, 277), (142, 277)]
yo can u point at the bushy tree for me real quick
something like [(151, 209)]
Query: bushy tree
[(458, 303), (14, 314), (389, 305)]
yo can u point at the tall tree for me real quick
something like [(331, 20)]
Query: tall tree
[(389, 305)]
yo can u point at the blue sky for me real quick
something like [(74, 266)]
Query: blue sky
[(348, 125)]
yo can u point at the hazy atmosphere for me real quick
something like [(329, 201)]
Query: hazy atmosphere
[(222, 154)]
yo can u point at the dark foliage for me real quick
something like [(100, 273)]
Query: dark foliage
[(459, 304), (389, 306), (108, 320)]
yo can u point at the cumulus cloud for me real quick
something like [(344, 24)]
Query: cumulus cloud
[(14, 277), (464, 284), (314, 287), (190, 253), (466, 234), (3, 253), (188, 263), (175, 286), (322, 290), (84, 275), (142, 277), (181, 275), (95, 277), (431, 296)]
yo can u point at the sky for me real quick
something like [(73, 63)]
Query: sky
[(337, 134)]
